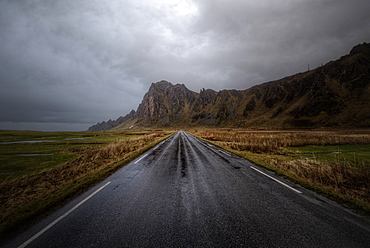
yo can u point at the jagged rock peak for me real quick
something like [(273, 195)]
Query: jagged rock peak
[(161, 85), (165, 86), (164, 99)]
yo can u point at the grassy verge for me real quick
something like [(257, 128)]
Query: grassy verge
[(31, 194), (333, 163), (26, 152)]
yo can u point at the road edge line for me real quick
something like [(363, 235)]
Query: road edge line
[(61, 217), (137, 161), (286, 185)]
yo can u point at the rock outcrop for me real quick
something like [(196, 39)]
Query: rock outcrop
[(165, 103)]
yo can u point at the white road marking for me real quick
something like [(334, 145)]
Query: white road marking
[(137, 161), (297, 191), (61, 217), (225, 153)]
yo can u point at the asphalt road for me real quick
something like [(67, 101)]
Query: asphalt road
[(188, 193)]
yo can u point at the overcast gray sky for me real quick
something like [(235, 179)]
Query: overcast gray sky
[(65, 65)]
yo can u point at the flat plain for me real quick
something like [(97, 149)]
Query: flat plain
[(40, 171)]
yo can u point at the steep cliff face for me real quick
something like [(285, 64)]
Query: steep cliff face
[(336, 94), (165, 103)]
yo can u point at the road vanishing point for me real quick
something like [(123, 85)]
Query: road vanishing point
[(188, 193)]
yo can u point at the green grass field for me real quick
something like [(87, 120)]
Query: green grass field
[(27, 152), (353, 155)]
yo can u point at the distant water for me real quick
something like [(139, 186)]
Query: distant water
[(28, 141), (39, 141), (33, 154), (76, 138)]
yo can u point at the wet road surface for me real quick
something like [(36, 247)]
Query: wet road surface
[(188, 193)]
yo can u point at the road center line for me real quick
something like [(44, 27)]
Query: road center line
[(297, 191), (137, 161), (61, 217)]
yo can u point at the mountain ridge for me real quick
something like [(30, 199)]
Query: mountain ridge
[(333, 95)]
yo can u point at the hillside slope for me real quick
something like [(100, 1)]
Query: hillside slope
[(334, 95)]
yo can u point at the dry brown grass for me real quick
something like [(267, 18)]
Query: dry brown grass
[(270, 141), (340, 181), (346, 180)]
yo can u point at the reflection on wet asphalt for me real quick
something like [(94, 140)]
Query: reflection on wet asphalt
[(187, 193)]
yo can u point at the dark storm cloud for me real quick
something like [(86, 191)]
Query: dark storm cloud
[(264, 40), (87, 61)]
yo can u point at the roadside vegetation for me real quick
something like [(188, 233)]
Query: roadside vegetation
[(334, 163), (42, 170)]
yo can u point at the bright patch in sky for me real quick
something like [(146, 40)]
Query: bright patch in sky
[(67, 64)]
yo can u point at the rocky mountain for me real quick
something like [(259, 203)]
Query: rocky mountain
[(336, 94)]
